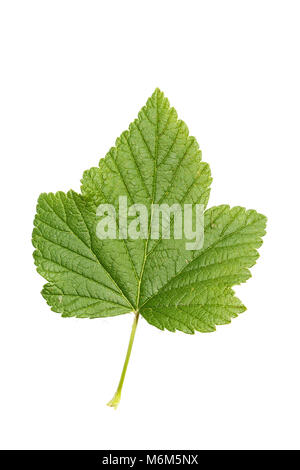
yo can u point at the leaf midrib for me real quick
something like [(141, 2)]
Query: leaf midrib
[(153, 198)]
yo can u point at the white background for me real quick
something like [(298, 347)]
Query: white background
[(73, 75)]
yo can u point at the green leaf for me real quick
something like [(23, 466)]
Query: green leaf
[(154, 162)]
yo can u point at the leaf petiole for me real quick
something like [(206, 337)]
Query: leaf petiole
[(117, 396)]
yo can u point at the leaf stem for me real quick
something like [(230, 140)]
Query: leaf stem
[(117, 396)]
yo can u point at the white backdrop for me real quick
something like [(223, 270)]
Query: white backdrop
[(73, 75)]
